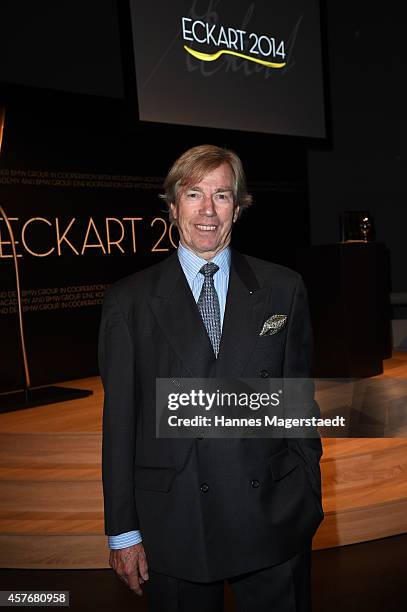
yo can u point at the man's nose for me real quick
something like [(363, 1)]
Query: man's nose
[(207, 207)]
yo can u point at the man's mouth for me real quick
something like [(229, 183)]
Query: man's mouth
[(206, 228)]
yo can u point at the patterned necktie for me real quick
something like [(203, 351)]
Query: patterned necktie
[(208, 305)]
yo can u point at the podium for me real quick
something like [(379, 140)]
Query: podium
[(349, 294)]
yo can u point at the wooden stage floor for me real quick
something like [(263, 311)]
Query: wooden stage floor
[(51, 504)]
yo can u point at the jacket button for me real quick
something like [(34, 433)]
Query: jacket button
[(264, 373), (255, 483), (204, 487)]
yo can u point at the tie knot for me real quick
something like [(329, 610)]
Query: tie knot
[(209, 269)]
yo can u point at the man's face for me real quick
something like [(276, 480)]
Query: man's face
[(205, 212)]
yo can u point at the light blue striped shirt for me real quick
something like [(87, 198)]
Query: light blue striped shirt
[(191, 264)]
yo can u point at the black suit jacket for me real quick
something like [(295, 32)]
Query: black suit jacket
[(151, 327)]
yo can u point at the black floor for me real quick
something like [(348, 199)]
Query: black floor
[(369, 577)]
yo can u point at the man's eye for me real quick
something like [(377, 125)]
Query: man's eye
[(223, 197), (193, 195)]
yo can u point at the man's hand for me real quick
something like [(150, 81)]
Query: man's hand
[(130, 564)]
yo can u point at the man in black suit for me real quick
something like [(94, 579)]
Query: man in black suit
[(183, 515)]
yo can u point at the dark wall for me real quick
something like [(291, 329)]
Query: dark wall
[(52, 128), (68, 45), (367, 165)]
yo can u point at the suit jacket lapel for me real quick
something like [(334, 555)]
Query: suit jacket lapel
[(178, 316), (244, 314)]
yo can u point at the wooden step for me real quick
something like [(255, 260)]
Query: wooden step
[(51, 496), (361, 525), (37, 449), (45, 523), (51, 501), (53, 471), (54, 551)]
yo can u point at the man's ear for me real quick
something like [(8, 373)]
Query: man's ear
[(173, 210), (236, 213)]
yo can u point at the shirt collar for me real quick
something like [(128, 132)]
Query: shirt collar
[(192, 263)]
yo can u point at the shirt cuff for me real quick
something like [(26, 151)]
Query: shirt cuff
[(124, 539)]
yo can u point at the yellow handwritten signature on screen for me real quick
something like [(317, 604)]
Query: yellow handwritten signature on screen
[(211, 57)]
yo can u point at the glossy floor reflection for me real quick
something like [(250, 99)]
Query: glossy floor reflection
[(362, 577)]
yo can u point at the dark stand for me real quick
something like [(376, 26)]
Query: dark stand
[(39, 396), (349, 293)]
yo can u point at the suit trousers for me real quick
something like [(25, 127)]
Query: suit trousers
[(285, 587)]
